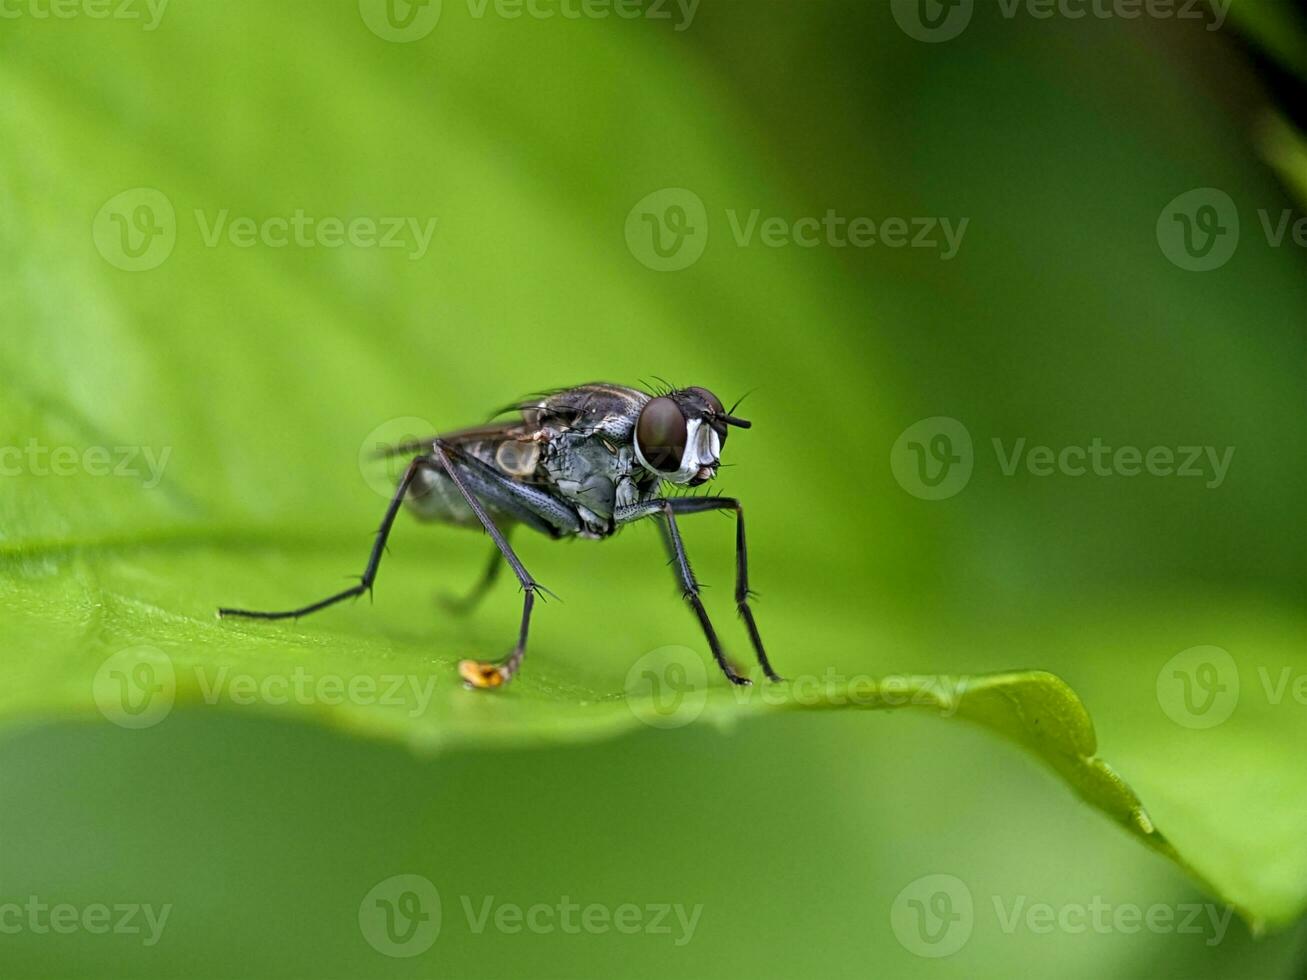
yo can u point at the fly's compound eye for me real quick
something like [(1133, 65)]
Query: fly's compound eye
[(661, 434), (713, 401)]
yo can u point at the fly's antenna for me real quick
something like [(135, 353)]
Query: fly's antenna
[(730, 418), (731, 410)]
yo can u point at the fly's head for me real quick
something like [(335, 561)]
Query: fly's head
[(679, 436)]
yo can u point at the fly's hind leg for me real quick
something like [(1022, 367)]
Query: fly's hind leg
[(369, 576), (461, 605)]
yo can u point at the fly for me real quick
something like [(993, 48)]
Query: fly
[(576, 462)]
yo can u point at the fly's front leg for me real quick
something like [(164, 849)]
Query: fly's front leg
[(472, 482), (695, 505), (664, 512)]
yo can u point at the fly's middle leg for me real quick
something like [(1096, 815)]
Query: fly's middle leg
[(473, 483)]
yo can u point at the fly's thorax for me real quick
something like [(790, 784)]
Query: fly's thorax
[(586, 469)]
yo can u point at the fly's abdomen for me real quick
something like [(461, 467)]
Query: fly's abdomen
[(433, 497)]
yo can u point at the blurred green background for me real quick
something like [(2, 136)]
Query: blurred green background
[(530, 140)]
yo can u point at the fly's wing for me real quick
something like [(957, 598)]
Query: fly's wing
[(514, 446), (511, 446), (415, 447)]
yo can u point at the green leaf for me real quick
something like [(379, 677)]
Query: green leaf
[(84, 621)]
